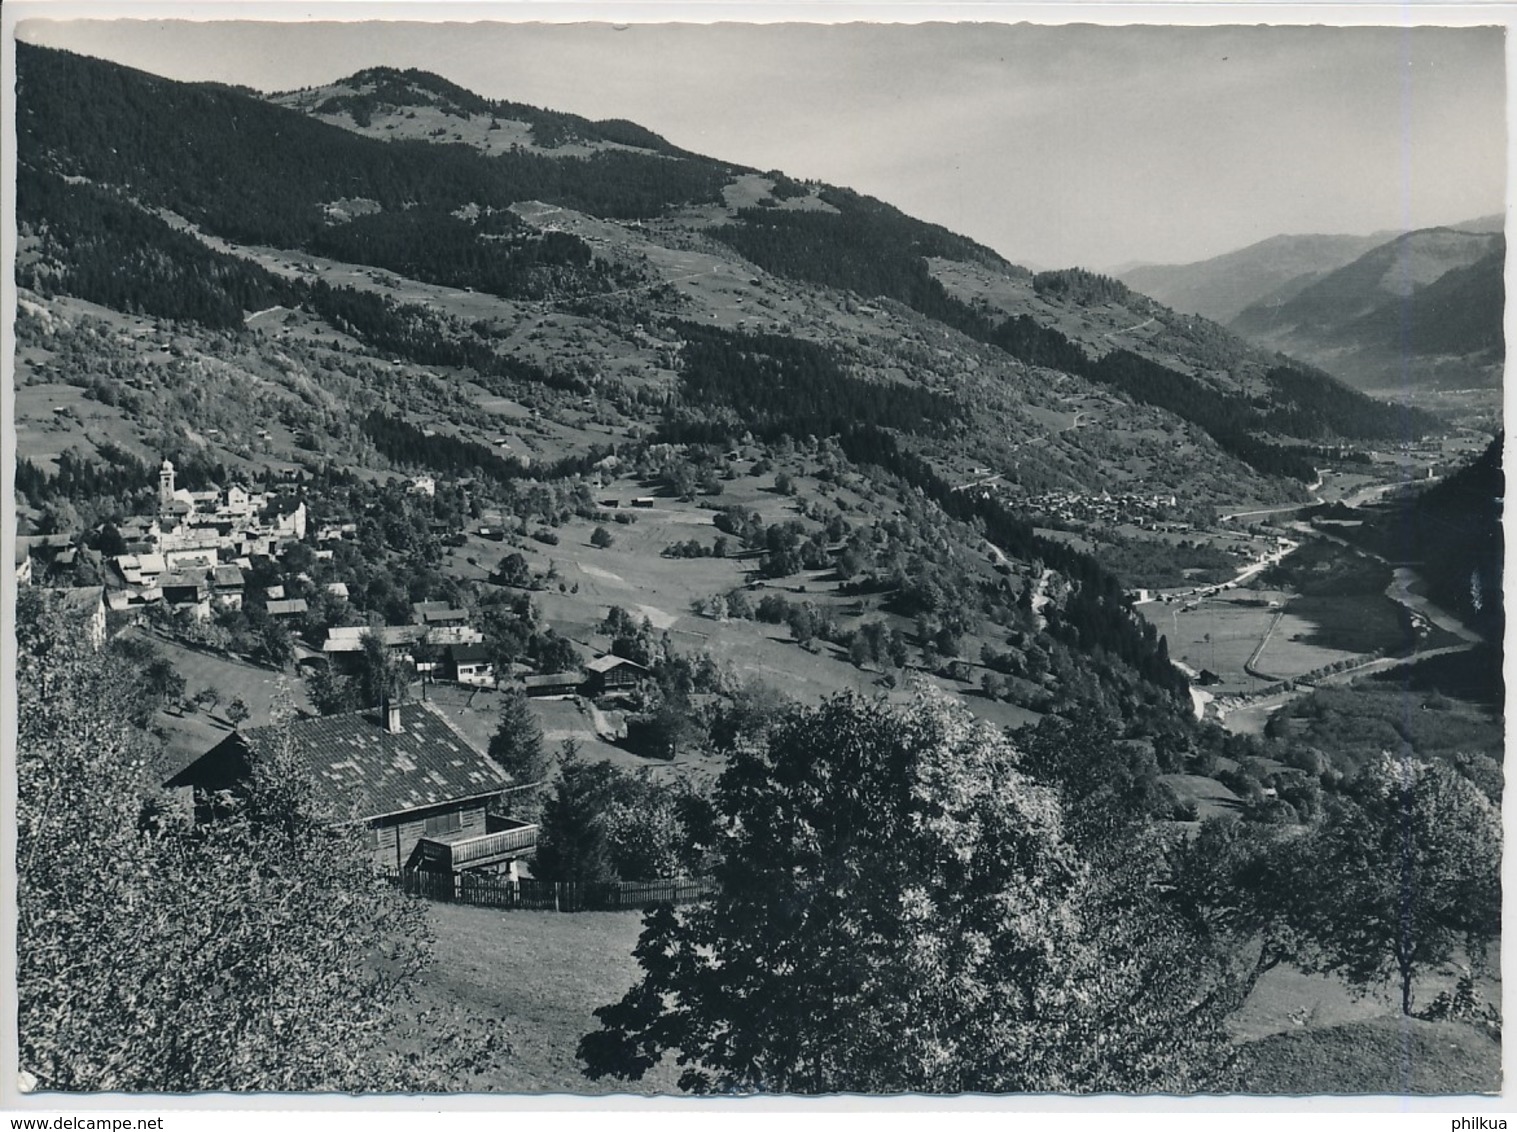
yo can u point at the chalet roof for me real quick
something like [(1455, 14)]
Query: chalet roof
[(349, 638), (468, 654), (549, 679), (80, 599), (227, 576), (607, 663), (180, 580), (359, 769), (445, 616), (279, 608), (274, 593), (47, 542), (340, 589)]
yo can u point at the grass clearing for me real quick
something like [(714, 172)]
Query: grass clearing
[(1211, 798), (543, 974), (1388, 1055)]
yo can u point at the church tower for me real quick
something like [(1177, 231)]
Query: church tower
[(166, 483)]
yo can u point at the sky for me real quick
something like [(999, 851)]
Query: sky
[(1055, 145)]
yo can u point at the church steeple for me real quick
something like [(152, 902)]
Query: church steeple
[(166, 483)]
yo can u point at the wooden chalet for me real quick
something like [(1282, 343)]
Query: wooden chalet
[(287, 609), (612, 674), (413, 781), (471, 664)]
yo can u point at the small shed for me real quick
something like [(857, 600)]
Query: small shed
[(553, 684)]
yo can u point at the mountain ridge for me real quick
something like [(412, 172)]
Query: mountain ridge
[(1426, 307), (612, 226)]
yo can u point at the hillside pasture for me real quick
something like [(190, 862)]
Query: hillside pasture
[(52, 417), (190, 735), (1210, 797), (542, 974), (1386, 1055)]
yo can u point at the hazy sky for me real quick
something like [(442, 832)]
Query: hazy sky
[(1054, 145)]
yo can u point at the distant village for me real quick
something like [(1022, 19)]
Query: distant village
[(193, 557)]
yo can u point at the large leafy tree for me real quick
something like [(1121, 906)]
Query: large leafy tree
[(259, 951), (1399, 875), (898, 909)]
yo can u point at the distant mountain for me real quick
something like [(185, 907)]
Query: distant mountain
[(392, 104), (159, 198), (1221, 287), (1495, 222), (1425, 307)]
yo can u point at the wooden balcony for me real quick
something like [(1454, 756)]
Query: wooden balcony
[(455, 852)]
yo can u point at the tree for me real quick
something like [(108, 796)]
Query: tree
[(601, 538), (1395, 878), (331, 693), (164, 683), (260, 951), (276, 645), (897, 910), (237, 712), (571, 845), (517, 746), (382, 676)]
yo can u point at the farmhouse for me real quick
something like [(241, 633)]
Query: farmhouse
[(187, 591), (418, 788), (226, 586), (471, 664), (344, 643), (612, 674)]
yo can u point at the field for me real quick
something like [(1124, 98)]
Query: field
[(1211, 798), (191, 735), (1219, 635), (544, 973)]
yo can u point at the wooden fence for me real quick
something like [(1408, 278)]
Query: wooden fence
[(488, 891)]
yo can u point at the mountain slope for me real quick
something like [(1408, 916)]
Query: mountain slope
[(1222, 287), (391, 104), (1425, 308)]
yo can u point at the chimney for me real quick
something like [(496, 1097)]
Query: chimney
[(392, 718)]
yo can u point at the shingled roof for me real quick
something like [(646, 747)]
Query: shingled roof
[(358, 768)]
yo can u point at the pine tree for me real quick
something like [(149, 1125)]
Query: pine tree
[(572, 844), (517, 746)]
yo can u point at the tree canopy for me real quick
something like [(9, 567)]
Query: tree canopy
[(898, 909)]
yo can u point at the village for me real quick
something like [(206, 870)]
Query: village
[(427, 794)]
